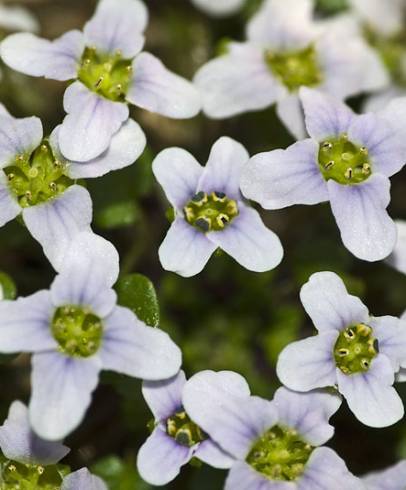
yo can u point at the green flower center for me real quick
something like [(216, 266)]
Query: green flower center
[(77, 330), (355, 349), (210, 212), (183, 430), (280, 454), (107, 75), (295, 68), (18, 476), (343, 161), (37, 177)]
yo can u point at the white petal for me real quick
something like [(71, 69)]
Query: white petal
[(83, 480), (210, 453), (385, 18), (9, 207), (219, 8), (157, 89), (290, 112), (398, 257), (14, 18), (392, 478), (244, 477), (164, 397), (391, 335)]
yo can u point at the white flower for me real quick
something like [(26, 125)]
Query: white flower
[(219, 8)]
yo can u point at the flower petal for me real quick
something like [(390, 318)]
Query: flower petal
[(14, 18), (61, 392), (185, 250), (91, 122), (360, 211), (178, 172), (281, 178), (83, 480), (398, 257), (392, 478), (57, 60), (25, 324), (391, 335), (157, 89), (210, 453), (223, 170), (9, 207), (328, 303), (243, 477), (290, 112), (164, 397), (219, 8), (386, 19), (249, 241), (116, 27), (57, 222), (370, 396), (160, 458), (19, 443)]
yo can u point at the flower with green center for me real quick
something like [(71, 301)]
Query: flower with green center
[(353, 351), (183, 430)]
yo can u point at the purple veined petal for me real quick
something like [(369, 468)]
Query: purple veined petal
[(19, 443), (398, 257), (25, 324), (326, 470), (132, 348), (116, 27), (57, 60), (290, 112), (281, 178), (211, 453), (9, 207), (90, 267), (18, 137), (55, 223), (328, 303), (237, 82), (164, 397), (90, 123), (243, 477), (185, 249), (325, 116), (14, 18), (160, 458), (386, 19), (308, 413), (391, 335), (178, 173), (83, 480), (223, 170), (220, 8), (249, 241), (308, 364), (367, 230), (371, 396), (62, 388), (392, 478)]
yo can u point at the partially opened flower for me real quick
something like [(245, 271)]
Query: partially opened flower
[(347, 160), (275, 445), (37, 182), (353, 351), (286, 50), (108, 73), (32, 463), (219, 8), (210, 212), (176, 439), (75, 330), (392, 478), (398, 257)]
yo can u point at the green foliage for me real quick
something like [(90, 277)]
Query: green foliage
[(8, 287), (119, 474), (117, 215)]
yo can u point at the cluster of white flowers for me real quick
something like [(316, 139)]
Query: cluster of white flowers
[(307, 67)]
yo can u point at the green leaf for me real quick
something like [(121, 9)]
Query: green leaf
[(119, 474), (137, 292), (117, 215), (8, 287)]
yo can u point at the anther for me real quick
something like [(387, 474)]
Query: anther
[(348, 173), (329, 165), (349, 334), (343, 352), (44, 147), (99, 82), (327, 145), (40, 470), (12, 468), (52, 186), (28, 195), (366, 169), (363, 150), (10, 176), (365, 363)]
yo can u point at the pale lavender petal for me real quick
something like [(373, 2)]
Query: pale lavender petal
[(178, 172), (392, 478), (391, 335), (185, 249), (56, 223), (281, 178), (164, 397), (329, 305), (83, 480), (157, 89), (57, 60), (19, 443), (132, 348), (61, 392), (384, 18), (223, 170), (370, 395), (243, 477), (9, 207), (219, 8), (160, 458), (117, 27), (210, 453), (366, 229), (398, 257), (15, 18), (379, 101), (308, 364), (249, 241), (90, 123), (290, 112), (25, 324)]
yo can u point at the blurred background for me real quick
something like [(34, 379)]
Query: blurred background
[(225, 318)]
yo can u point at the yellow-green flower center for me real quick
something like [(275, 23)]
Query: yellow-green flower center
[(295, 69), (280, 454), (77, 330), (343, 161), (210, 212), (37, 177), (355, 349), (107, 75), (18, 476), (183, 430)]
